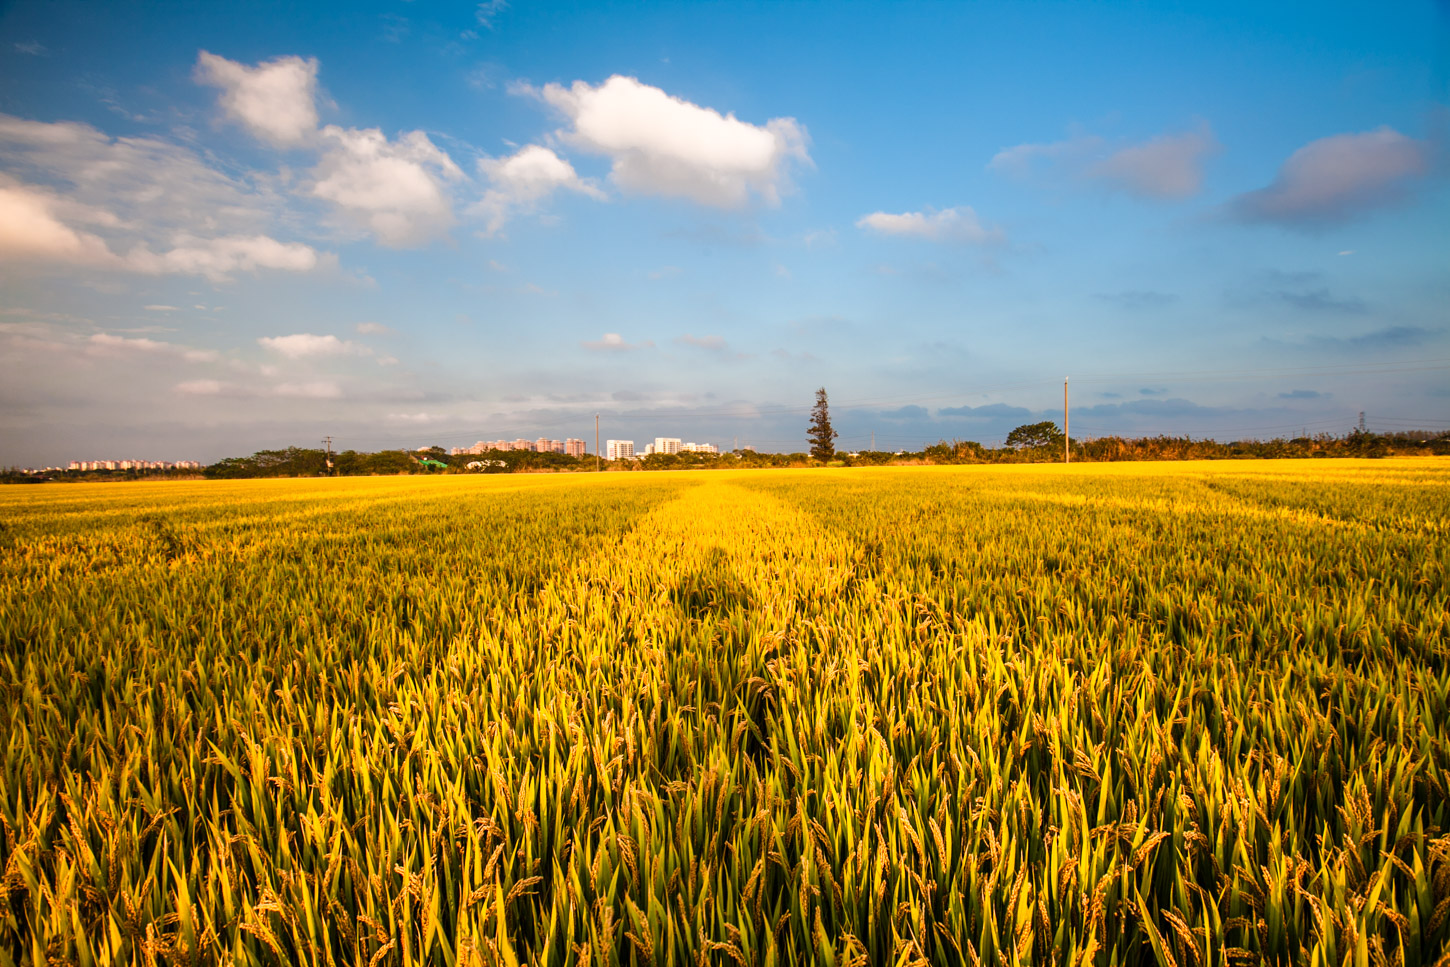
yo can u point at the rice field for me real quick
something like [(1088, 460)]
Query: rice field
[(1175, 714)]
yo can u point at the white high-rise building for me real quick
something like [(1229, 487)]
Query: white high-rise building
[(667, 444), (619, 450)]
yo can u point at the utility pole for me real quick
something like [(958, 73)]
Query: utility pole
[(1066, 437), (328, 441), (596, 442)]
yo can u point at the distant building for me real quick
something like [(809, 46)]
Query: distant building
[(619, 450), (573, 447), (670, 445), (131, 465)]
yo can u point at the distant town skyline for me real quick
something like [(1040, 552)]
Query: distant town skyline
[(226, 229)]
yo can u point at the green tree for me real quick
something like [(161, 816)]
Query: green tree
[(821, 436), (1032, 435)]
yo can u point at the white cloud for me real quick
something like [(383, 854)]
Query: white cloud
[(218, 258), (158, 203), (1335, 178), (947, 225), (522, 179), (143, 187), (317, 390), (1165, 167), (373, 329), (166, 308), (664, 145), (532, 173), (397, 189), (275, 101), (30, 229), (614, 342), (415, 419), (303, 344), (106, 344)]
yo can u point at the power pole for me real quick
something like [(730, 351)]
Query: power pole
[(328, 441), (596, 442), (1066, 437)]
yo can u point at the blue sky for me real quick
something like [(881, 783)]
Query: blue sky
[(228, 228)]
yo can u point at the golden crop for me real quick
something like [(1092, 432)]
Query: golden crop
[(1188, 714)]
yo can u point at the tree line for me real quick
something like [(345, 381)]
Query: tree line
[(302, 462)]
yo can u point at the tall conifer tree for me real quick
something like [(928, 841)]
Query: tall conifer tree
[(820, 434)]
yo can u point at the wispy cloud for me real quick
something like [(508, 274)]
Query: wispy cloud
[(305, 344), (948, 225), (1389, 338), (1138, 299), (1167, 167), (1301, 290), (106, 343), (100, 210), (711, 343), (200, 387), (315, 390), (487, 11), (1320, 300)]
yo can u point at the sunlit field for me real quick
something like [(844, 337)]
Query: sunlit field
[(1185, 714)]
